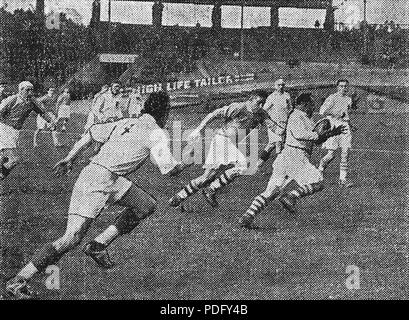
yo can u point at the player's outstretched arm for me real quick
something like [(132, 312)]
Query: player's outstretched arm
[(64, 166), (210, 117)]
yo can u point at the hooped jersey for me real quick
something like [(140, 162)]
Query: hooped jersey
[(14, 110), (127, 143), (336, 106)]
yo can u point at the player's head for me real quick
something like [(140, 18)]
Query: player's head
[(257, 99), (51, 91), (158, 105), (115, 87), (304, 102), (279, 85), (342, 86), (26, 89), (66, 90)]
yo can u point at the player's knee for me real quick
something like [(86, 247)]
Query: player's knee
[(271, 193)]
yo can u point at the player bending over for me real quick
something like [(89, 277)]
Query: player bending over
[(223, 151), (293, 162), (14, 110), (126, 144)]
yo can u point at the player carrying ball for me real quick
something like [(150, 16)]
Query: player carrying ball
[(293, 162), (125, 145)]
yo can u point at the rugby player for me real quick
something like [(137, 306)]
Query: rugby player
[(47, 101), (223, 151), (336, 108), (63, 108), (125, 145), (293, 162), (14, 110), (278, 106)]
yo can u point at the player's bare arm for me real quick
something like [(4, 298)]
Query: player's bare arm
[(64, 165), (210, 117)]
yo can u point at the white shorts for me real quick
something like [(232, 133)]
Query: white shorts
[(95, 189), (64, 111), (342, 141), (293, 164), (8, 137), (273, 137), (222, 151), (42, 124)]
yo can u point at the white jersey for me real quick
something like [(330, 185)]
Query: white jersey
[(127, 144), (278, 107), (135, 104), (336, 106), (107, 106)]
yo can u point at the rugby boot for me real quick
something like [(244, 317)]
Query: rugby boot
[(175, 201), (346, 183), (210, 197), (100, 256), (17, 288), (288, 201), (246, 221)]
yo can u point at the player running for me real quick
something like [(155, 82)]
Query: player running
[(47, 101), (278, 105), (223, 151), (336, 108), (64, 109), (14, 110), (135, 103), (293, 162), (126, 144)]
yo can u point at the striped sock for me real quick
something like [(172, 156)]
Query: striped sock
[(227, 177), (188, 190), (306, 190), (258, 204)]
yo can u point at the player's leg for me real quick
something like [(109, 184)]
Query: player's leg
[(10, 159), (64, 124), (309, 180), (345, 144), (56, 141), (332, 144), (138, 205), (227, 177), (228, 156), (49, 254), (35, 137), (261, 201), (277, 180), (192, 187)]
